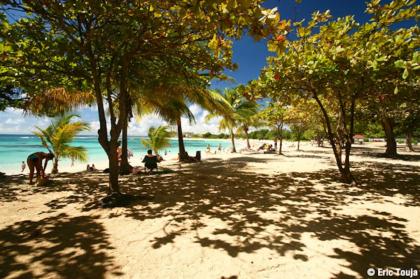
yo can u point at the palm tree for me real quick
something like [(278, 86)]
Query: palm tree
[(158, 139), (171, 103), (247, 117), (58, 136), (241, 114), (169, 108)]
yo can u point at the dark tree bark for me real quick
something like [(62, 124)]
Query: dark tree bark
[(125, 167), (281, 139), (345, 171), (182, 153), (110, 146), (391, 143)]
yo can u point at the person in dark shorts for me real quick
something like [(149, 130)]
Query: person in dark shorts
[(34, 162), (151, 161)]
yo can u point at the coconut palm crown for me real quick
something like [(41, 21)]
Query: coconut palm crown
[(59, 135), (159, 138)]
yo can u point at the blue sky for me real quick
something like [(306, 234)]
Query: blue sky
[(248, 54)]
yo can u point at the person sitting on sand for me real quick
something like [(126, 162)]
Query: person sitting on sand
[(91, 168), (270, 147), (262, 147), (34, 162), (150, 161)]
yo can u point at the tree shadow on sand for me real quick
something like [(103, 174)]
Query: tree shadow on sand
[(56, 247), (257, 211), (286, 205)]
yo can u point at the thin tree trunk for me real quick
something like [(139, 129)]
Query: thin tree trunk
[(125, 167), (281, 140), (345, 173), (182, 153), (409, 142), (391, 143), (248, 145), (298, 140), (232, 138), (55, 166)]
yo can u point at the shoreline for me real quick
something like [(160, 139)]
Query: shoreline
[(12, 165), (170, 158)]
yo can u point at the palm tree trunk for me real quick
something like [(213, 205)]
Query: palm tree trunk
[(55, 166), (232, 138), (248, 145), (182, 153)]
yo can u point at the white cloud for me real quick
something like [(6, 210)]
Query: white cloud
[(15, 121), (196, 110)]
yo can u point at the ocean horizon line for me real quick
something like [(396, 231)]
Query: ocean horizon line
[(32, 135)]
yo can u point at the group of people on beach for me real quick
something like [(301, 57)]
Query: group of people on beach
[(38, 162), (266, 148), (35, 162), (219, 148)]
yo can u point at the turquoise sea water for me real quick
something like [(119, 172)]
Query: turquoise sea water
[(15, 148)]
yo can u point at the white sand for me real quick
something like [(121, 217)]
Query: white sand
[(232, 216)]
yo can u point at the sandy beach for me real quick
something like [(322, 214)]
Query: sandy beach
[(230, 216)]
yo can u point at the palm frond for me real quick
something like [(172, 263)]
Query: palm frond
[(76, 153), (158, 139), (59, 135)]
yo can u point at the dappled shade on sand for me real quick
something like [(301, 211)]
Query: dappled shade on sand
[(280, 223), (58, 246)]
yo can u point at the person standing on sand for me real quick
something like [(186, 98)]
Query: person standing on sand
[(23, 166), (34, 162)]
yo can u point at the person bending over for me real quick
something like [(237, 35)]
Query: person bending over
[(34, 162)]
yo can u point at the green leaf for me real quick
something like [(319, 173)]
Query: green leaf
[(405, 74), (400, 64)]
